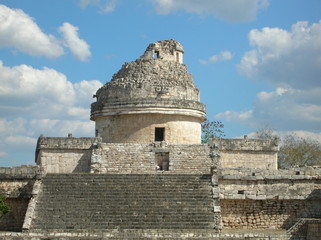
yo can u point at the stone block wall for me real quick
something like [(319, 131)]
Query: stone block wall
[(13, 220), (266, 214), (64, 155), (249, 153), (17, 182), (140, 128), (16, 185), (250, 159), (261, 199), (314, 231), (141, 158)]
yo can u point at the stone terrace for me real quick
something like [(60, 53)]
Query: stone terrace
[(89, 201)]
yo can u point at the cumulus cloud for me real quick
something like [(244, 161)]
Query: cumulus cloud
[(104, 6), (290, 61), (78, 47), (284, 109), (35, 101), (25, 90), (222, 56), (3, 154), (54, 127), (285, 58), (230, 10), (235, 116), (19, 30)]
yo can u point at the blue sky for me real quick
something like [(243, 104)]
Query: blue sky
[(256, 62)]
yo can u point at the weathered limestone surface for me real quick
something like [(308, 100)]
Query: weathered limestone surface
[(250, 153), (152, 90), (267, 214), (259, 199), (314, 231), (74, 201), (13, 220), (242, 183), (146, 175), (64, 155), (141, 158), (18, 181), (143, 234), (16, 185), (121, 129)]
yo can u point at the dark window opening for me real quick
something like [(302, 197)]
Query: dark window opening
[(240, 192), (162, 161), (177, 57), (159, 134), (156, 54)]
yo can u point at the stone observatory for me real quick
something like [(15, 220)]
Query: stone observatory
[(151, 99), (147, 176)]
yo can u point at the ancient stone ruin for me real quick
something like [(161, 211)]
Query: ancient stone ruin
[(146, 175)]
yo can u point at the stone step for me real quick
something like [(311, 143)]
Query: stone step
[(117, 234), (90, 201)]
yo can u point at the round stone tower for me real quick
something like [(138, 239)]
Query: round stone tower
[(150, 99)]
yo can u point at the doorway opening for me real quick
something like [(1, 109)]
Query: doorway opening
[(162, 161)]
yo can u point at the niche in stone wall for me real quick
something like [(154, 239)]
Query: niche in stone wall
[(177, 57), (159, 134), (162, 161), (156, 54)]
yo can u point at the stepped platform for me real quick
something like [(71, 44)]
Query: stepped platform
[(117, 201), (147, 234)]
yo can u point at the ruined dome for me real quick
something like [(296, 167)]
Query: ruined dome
[(157, 79), (155, 89)]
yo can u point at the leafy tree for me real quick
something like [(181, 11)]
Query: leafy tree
[(266, 133), (4, 207), (212, 129), (298, 151), (294, 150)]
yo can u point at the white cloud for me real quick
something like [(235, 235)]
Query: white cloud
[(61, 128), (25, 137), (78, 47), (104, 6), (291, 62), (305, 134), (230, 10), (235, 116), (285, 58), (315, 136), (19, 30), (283, 109), (43, 93), (46, 103), (222, 56), (3, 154), (21, 140)]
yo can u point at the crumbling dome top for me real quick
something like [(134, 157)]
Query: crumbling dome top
[(158, 79)]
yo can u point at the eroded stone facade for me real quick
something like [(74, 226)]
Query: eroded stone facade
[(148, 127), (154, 91)]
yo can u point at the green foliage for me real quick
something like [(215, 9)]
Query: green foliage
[(297, 151), (4, 207), (294, 151), (212, 129)]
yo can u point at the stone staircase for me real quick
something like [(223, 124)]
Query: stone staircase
[(116, 201)]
